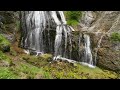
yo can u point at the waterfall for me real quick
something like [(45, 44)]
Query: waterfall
[(36, 23), (62, 30), (38, 39), (88, 54)]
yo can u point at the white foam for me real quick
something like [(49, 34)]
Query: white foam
[(86, 64), (26, 51)]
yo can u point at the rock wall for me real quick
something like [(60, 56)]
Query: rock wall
[(9, 21), (100, 25)]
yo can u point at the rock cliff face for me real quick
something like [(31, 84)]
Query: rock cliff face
[(8, 24), (101, 21), (102, 24), (8, 28)]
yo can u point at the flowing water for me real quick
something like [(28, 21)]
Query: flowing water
[(37, 37)]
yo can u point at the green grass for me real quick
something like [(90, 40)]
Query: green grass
[(65, 70), (28, 71), (4, 57), (5, 73), (31, 67), (79, 72)]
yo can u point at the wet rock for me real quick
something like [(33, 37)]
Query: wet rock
[(8, 16), (4, 63), (11, 38), (6, 49)]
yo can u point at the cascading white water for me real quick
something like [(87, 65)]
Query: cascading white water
[(38, 22), (88, 54), (61, 29)]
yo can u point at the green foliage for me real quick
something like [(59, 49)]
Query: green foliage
[(4, 44), (73, 17), (38, 61), (115, 37), (64, 70), (28, 71), (5, 73), (4, 41), (72, 22), (40, 68)]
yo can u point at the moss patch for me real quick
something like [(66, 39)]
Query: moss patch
[(28, 71), (4, 44), (62, 70), (38, 61), (4, 59), (115, 37)]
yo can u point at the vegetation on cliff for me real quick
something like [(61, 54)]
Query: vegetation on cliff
[(73, 17), (115, 37)]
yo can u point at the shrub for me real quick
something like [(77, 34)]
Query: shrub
[(73, 17), (115, 37)]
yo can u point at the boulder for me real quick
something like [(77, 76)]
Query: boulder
[(109, 55)]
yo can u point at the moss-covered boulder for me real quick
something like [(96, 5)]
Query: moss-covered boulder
[(4, 44), (39, 61), (4, 60)]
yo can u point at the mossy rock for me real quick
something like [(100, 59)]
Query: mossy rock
[(109, 59), (47, 57), (38, 61), (8, 16), (4, 60), (13, 52), (4, 44)]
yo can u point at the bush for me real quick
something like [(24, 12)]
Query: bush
[(73, 17), (115, 37)]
